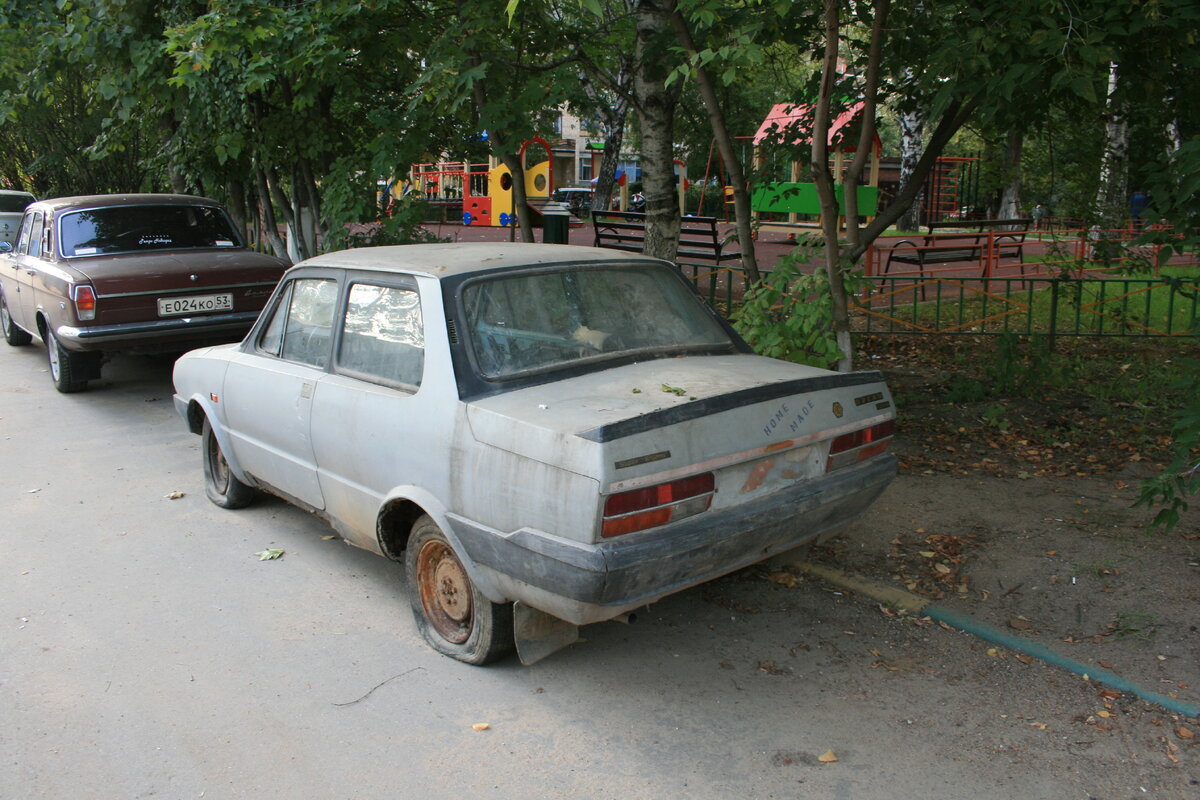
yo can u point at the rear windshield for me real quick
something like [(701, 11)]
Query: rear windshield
[(543, 320), (136, 229), (14, 203)]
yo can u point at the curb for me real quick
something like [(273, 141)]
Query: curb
[(916, 605)]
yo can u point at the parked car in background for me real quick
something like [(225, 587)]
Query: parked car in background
[(578, 200), (12, 206), (91, 276), (547, 435)]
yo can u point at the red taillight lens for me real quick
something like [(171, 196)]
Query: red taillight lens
[(640, 509), (850, 448), (85, 302)]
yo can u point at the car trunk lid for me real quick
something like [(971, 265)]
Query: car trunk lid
[(757, 423)]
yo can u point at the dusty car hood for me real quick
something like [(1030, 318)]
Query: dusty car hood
[(591, 423), (157, 271)]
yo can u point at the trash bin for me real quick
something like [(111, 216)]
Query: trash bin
[(556, 224)]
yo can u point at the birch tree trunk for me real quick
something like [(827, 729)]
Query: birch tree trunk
[(1111, 195), (912, 128), (656, 115)]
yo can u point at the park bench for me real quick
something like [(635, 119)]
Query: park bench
[(626, 230), (986, 239)]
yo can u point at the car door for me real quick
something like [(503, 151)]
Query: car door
[(17, 279), (32, 269), (269, 389), (377, 421)]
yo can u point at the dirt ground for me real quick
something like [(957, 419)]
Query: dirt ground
[(1033, 533)]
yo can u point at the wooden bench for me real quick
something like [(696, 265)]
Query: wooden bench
[(1004, 237), (626, 230)]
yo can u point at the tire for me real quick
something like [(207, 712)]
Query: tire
[(451, 613), (221, 485), (12, 334), (64, 366)]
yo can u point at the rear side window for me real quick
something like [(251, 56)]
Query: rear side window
[(35, 235), (383, 336), (301, 324), (133, 229)]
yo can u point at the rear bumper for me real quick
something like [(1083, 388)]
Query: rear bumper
[(174, 331), (589, 583)]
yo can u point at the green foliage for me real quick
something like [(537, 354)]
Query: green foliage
[(1181, 479), (789, 314)]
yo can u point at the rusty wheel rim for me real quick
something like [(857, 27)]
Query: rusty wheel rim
[(217, 466), (445, 591)]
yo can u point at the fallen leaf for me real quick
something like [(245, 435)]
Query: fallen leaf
[(1041, 726), (928, 553), (480, 726), (1024, 659), (1020, 623), (269, 554), (173, 495), (783, 579), (327, 538), (827, 757), (32, 491), (1185, 733), (993, 652), (1109, 693), (942, 569), (1105, 714)]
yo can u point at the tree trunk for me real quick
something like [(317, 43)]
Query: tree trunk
[(1010, 198), (912, 126), (1110, 198), (823, 179), (614, 136), (270, 226), (520, 200), (656, 115), (737, 177)]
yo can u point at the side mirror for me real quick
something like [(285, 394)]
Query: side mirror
[(5, 247)]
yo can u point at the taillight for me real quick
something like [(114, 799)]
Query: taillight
[(850, 448), (85, 302), (639, 509)]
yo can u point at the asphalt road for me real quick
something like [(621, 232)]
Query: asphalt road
[(146, 651)]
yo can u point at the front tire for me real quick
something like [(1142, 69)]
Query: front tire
[(221, 485), (12, 334), (64, 366), (451, 613)]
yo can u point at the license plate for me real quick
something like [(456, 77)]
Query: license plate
[(201, 304)]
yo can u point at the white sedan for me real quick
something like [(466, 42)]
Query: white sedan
[(547, 435)]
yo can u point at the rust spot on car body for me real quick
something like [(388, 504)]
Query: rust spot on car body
[(758, 475)]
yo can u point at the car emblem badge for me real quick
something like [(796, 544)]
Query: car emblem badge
[(195, 277), (837, 410)]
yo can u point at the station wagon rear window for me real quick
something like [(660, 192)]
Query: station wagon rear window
[(546, 319), (144, 228), (14, 203)]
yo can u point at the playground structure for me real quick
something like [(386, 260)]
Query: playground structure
[(791, 123), (485, 191)]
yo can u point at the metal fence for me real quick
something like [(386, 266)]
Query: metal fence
[(1162, 306), (1090, 305)]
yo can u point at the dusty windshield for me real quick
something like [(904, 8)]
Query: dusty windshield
[(139, 228), (542, 320)]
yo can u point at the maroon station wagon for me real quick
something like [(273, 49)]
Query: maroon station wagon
[(95, 275)]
